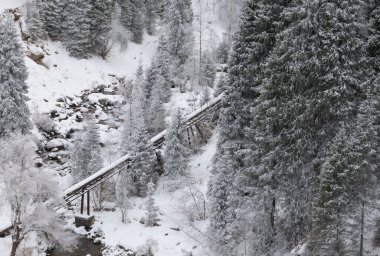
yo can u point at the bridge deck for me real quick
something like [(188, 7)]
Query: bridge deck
[(107, 172)]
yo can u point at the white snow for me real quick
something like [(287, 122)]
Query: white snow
[(10, 4), (169, 242), (97, 98), (62, 75), (67, 76), (58, 143)]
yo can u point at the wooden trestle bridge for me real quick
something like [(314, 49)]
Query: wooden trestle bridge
[(208, 110)]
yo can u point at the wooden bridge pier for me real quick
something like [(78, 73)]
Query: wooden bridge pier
[(82, 203), (83, 220)]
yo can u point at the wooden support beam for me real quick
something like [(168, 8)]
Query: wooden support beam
[(192, 131), (201, 133), (88, 202), (81, 204), (188, 137)]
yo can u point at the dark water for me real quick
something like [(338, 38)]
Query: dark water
[(85, 247)]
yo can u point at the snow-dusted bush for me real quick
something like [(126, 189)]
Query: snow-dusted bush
[(147, 249), (43, 122), (117, 36), (193, 203)]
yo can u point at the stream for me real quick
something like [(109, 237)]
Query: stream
[(85, 247)]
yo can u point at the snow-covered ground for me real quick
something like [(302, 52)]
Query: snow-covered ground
[(9, 4), (67, 76), (61, 75), (174, 215)]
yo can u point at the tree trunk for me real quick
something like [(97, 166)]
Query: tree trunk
[(361, 250), (16, 239), (15, 245)]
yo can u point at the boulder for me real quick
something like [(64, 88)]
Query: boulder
[(57, 143), (37, 57)]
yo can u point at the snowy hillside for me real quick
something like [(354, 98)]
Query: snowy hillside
[(189, 128), (65, 88), (67, 76)]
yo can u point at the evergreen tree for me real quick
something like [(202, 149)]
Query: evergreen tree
[(348, 186), (101, 21), (253, 42), (221, 214), (221, 84), (205, 95), (14, 113), (35, 20), (143, 158), (175, 150), (152, 12), (312, 85), (223, 51), (138, 108), (78, 39), (208, 71), (151, 218), (132, 18), (54, 18), (86, 158), (157, 113), (161, 61), (374, 38), (179, 19), (137, 143)]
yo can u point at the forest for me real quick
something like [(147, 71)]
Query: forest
[(190, 127)]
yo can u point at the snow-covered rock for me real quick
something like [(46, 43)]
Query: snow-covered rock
[(58, 143), (105, 100)]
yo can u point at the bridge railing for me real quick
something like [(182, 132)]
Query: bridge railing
[(107, 172), (92, 181)]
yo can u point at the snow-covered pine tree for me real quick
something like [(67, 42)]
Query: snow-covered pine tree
[(221, 84), (14, 113), (208, 70), (143, 158), (152, 9), (151, 217), (36, 20), (136, 142), (328, 221), (101, 21), (156, 111), (253, 43), (132, 18), (374, 38), (176, 153), (54, 18), (92, 141), (77, 28), (222, 51), (179, 19), (86, 158), (205, 95), (312, 87), (348, 186), (161, 61), (221, 212), (137, 109)]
